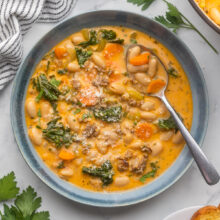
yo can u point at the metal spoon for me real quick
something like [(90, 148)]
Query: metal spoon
[(208, 171)]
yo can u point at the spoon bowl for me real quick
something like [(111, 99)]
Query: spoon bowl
[(208, 171)]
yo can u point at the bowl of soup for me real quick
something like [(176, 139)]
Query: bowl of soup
[(209, 10), (84, 120)]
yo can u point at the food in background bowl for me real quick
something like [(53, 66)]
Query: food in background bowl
[(93, 123), (211, 8), (207, 213)]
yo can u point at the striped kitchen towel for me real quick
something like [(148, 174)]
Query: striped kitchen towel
[(16, 18)]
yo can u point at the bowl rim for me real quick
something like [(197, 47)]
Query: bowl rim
[(95, 203), (205, 17)]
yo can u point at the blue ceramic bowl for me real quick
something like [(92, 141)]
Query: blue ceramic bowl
[(98, 18)]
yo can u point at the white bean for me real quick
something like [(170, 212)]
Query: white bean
[(121, 181), (152, 67), (101, 146), (117, 88), (76, 39), (31, 108), (134, 69), (66, 172), (35, 136), (134, 51), (177, 138), (73, 124), (70, 49), (165, 136), (148, 106), (133, 111), (137, 144), (148, 116), (128, 138), (156, 148), (215, 15), (142, 78), (98, 60), (46, 109), (73, 67), (161, 109)]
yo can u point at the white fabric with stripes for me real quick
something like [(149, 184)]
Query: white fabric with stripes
[(16, 18)]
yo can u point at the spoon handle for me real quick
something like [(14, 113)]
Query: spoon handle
[(208, 171)]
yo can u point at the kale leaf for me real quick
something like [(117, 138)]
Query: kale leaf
[(117, 41), (105, 172), (46, 89), (57, 133), (92, 40), (108, 34), (82, 56), (109, 114)]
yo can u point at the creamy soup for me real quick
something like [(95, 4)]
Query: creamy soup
[(91, 119), (211, 8)]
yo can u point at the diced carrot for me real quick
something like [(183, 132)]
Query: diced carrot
[(140, 59), (59, 52), (114, 77), (144, 131), (66, 154), (65, 79), (155, 86), (112, 49), (89, 95)]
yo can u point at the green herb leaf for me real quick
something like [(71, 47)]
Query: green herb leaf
[(25, 204), (117, 41), (167, 124), (41, 216), (46, 89), (55, 82), (175, 20), (48, 66), (82, 56), (77, 111), (86, 115), (105, 172), (39, 113), (60, 165), (8, 187), (57, 133), (171, 71), (133, 41), (108, 34), (110, 114), (143, 3), (62, 71), (28, 202), (92, 40), (151, 173)]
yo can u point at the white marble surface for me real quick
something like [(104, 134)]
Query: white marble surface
[(190, 190)]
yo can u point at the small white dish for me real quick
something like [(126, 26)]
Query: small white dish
[(183, 214)]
